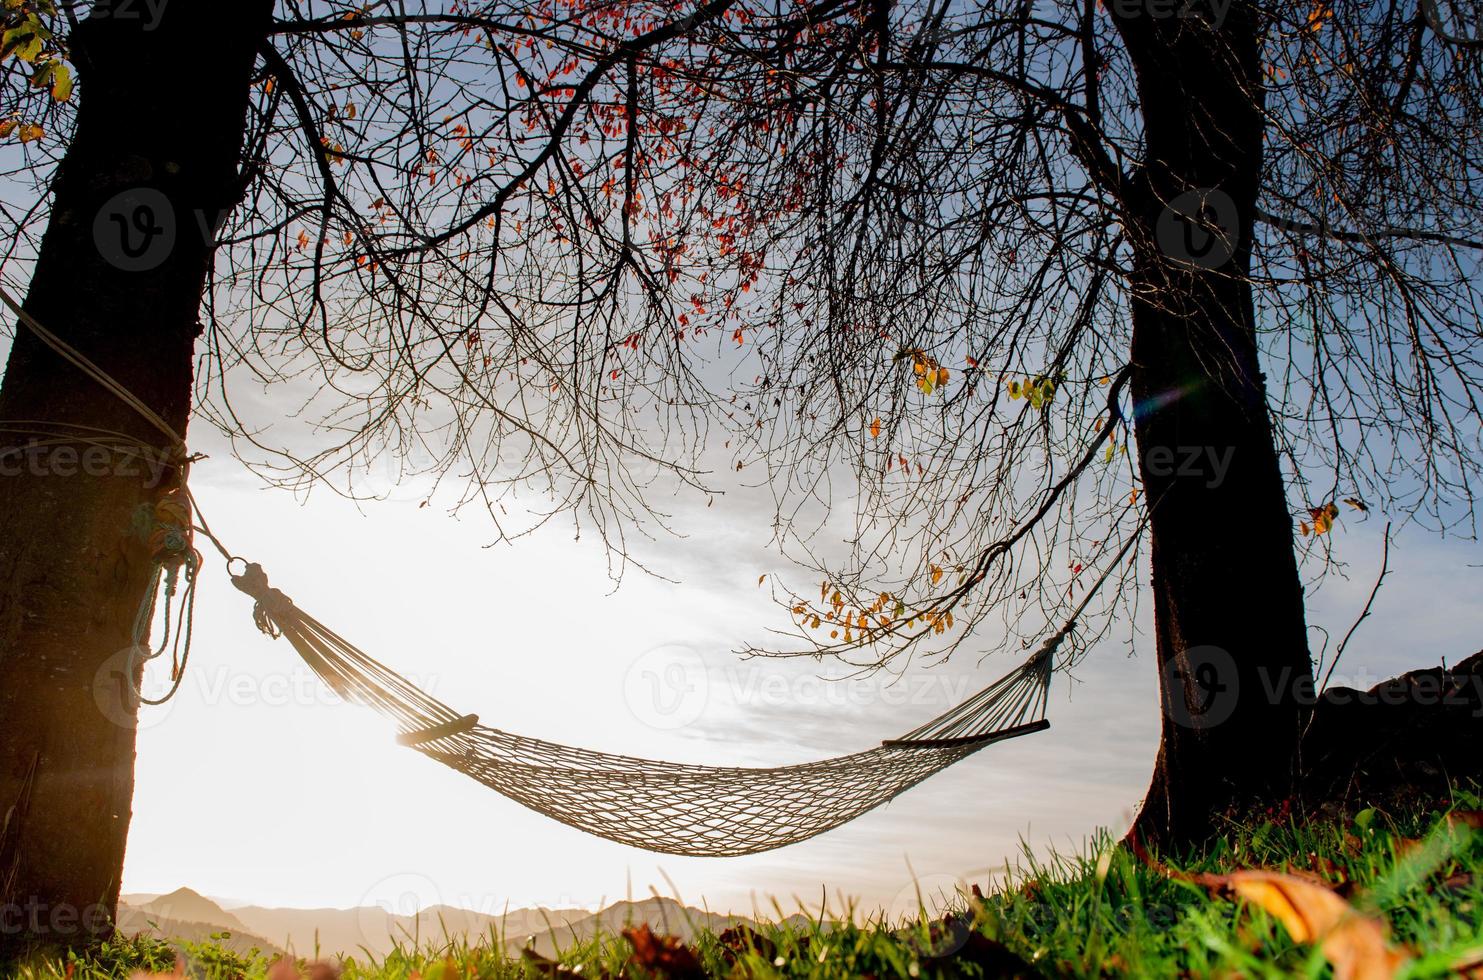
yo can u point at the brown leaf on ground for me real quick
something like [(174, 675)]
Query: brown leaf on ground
[(992, 959), (1470, 967), (663, 957), (1331, 873), (1472, 819), (283, 968), (543, 967), (1353, 943), (740, 940)]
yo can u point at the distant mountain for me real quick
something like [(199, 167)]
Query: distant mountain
[(190, 917), (350, 932), (663, 915), (314, 933), (184, 905)]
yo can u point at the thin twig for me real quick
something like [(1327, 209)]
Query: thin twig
[(1364, 613)]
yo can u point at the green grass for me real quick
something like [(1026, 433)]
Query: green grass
[(1105, 912)]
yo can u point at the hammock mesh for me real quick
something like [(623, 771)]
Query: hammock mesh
[(672, 808)]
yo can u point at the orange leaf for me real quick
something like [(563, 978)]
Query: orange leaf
[(1472, 819), (1353, 943), (662, 956), (875, 428), (1470, 966)]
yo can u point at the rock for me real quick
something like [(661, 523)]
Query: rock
[(1408, 738)]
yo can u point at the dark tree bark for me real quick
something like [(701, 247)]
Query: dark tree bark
[(162, 107), (1228, 603)]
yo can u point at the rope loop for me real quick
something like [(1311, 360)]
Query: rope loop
[(176, 625)]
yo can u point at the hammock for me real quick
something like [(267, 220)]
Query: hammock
[(668, 807), (658, 806)]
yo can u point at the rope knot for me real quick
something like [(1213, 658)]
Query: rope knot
[(171, 543), (271, 604)]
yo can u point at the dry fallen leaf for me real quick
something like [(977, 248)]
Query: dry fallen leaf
[(1472, 819), (283, 969), (1354, 944), (179, 971), (663, 957), (1470, 967)]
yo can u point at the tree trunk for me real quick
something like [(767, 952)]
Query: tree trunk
[(162, 109), (1228, 604)]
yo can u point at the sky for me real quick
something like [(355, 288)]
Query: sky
[(256, 786)]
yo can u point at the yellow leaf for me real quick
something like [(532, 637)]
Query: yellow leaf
[(1323, 517), (1318, 16), (30, 132), (1355, 944), (61, 83)]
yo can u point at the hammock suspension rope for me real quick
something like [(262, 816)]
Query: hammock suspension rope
[(673, 808)]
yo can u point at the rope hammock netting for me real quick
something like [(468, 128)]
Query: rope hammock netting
[(672, 808), (660, 806)]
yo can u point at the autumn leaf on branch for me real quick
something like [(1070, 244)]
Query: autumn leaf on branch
[(1322, 518), (930, 375), (1038, 390)]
